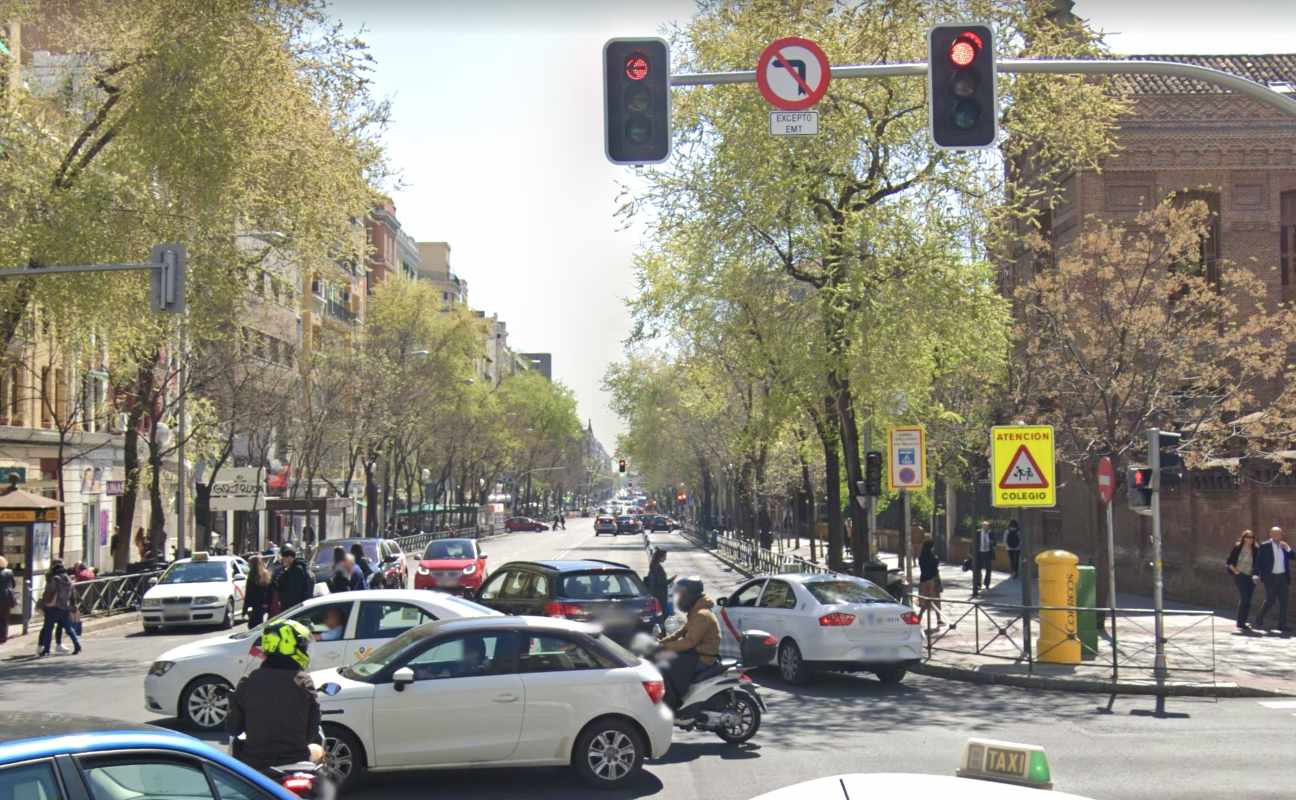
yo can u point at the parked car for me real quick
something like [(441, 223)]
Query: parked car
[(605, 524), (524, 524), (202, 590), (385, 556), (496, 692), (586, 591), (65, 757), (825, 621), (629, 524), (451, 565), (191, 681)]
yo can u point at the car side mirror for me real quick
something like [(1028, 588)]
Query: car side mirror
[(402, 678), (152, 581), (723, 602)]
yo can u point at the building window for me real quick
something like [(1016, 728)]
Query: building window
[(60, 398), (14, 399), (1207, 262), (1287, 242), (46, 397)]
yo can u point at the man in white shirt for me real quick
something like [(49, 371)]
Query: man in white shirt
[(982, 558), (1273, 564)]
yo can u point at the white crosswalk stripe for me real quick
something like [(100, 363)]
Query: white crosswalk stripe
[(1279, 705)]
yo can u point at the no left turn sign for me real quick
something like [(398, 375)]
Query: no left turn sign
[(792, 73)]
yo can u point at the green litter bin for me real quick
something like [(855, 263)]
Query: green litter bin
[(1087, 621)]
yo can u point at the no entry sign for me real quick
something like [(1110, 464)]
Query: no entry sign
[(1106, 479), (792, 73)]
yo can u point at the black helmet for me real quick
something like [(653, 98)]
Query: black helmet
[(687, 592)]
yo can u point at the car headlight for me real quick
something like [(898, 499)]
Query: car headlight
[(424, 571), (208, 600), (160, 668), (470, 569), (152, 602)]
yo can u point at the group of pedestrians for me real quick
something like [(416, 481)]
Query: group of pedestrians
[(981, 561), (1269, 564), (58, 606), (351, 570), (267, 593)]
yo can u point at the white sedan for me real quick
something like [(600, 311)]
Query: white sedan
[(496, 692), (825, 621), (203, 590), (192, 681)]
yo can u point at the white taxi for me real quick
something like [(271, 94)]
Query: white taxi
[(203, 590), (192, 681), (825, 621)]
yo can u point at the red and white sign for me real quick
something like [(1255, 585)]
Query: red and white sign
[(1106, 479), (1023, 472), (792, 73)]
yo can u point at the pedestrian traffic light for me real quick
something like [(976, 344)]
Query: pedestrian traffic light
[(1138, 489), (636, 101), (621, 465), (873, 474), (961, 95)]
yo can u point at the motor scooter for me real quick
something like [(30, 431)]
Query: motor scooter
[(722, 698), (306, 779)]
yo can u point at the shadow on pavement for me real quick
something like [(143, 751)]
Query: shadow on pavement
[(62, 667), (540, 783), (683, 752)]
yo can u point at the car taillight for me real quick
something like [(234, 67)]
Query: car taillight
[(656, 690), (300, 785), (835, 619), (255, 651), (654, 607), (910, 618), (744, 677), (564, 610)]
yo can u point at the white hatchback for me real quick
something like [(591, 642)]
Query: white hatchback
[(192, 681), (825, 621), (496, 692)]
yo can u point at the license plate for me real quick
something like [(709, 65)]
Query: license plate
[(179, 614)]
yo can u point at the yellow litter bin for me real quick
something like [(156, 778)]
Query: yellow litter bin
[(1058, 576)]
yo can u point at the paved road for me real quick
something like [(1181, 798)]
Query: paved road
[(838, 724)]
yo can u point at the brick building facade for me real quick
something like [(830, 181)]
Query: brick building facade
[(1239, 157)]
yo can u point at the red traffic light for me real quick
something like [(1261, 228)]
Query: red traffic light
[(964, 49), (1142, 477), (636, 66)]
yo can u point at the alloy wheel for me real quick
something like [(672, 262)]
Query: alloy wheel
[(208, 704), (339, 760), (740, 717), (611, 755)]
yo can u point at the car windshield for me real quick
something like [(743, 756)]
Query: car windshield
[(194, 572), (324, 556), (386, 653), (450, 549), (601, 585), (831, 592)]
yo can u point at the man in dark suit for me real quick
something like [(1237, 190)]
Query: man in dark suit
[(1273, 564)]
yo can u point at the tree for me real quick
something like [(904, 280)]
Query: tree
[(858, 211)]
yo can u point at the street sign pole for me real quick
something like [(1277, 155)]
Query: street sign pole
[(1159, 661), (1027, 578), (904, 544)]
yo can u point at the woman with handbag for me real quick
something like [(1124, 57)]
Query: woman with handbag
[(256, 592), (929, 582), (1240, 564)]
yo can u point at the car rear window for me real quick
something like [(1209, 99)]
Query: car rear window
[(847, 591), (601, 585)]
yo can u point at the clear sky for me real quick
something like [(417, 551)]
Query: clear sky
[(497, 131)]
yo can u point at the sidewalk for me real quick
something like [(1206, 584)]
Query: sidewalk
[(1204, 653)]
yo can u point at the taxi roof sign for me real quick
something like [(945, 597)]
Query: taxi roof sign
[(1023, 468), (1006, 762)]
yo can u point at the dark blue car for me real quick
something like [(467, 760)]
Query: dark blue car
[(66, 757)]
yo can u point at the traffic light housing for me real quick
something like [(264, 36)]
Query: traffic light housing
[(873, 474), (621, 466), (961, 98), (1169, 462), (1138, 489), (636, 101)]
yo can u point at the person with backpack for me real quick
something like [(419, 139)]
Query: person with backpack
[(340, 579), (56, 604), (1013, 543), (362, 563)]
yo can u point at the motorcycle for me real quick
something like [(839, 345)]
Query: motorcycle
[(721, 698), (306, 779)]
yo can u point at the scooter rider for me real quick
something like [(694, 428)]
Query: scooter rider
[(276, 705), (695, 646)]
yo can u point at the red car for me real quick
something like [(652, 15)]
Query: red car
[(451, 565), (524, 524)]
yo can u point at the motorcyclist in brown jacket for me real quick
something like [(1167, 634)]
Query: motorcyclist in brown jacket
[(694, 646)]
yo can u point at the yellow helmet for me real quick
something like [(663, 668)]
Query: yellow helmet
[(287, 638)]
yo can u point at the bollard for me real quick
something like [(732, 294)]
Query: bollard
[(1058, 641)]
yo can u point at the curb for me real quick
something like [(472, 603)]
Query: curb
[(965, 675), (89, 625)]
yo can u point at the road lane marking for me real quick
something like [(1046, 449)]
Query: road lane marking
[(1278, 704)]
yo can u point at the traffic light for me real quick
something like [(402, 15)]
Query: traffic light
[(167, 279), (961, 87), (1169, 462), (621, 465), (636, 101), (1138, 489), (873, 474)]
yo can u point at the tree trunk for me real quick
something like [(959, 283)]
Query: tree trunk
[(806, 510), (157, 514), (130, 491), (371, 499)]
